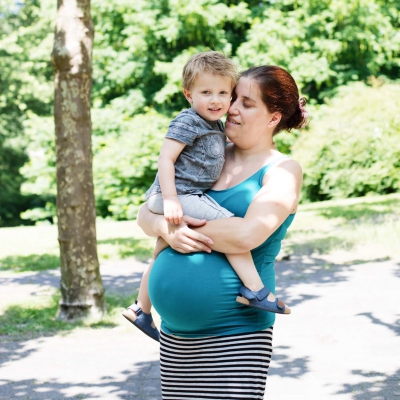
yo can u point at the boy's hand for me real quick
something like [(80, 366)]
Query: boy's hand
[(173, 211)]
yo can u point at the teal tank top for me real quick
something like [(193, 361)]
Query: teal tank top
[(195, 294)]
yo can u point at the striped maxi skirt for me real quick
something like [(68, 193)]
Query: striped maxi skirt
[(215, 368)]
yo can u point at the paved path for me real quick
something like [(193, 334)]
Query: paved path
[(342, 340)]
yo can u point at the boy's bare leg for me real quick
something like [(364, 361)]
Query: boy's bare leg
[(143, 299), (245, 269)]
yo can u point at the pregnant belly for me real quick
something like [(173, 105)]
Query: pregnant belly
[(195, 295), (193, 292)]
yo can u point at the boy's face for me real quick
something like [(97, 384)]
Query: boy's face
[(210, 96)]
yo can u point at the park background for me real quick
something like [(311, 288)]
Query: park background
[(345, 57)]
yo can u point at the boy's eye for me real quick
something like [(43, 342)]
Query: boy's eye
[(246, 105), (206, 92)]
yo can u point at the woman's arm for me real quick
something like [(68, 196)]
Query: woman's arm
[(277, 199), (274, 202), (180, 237)]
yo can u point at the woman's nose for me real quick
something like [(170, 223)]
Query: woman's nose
[(233, 109)]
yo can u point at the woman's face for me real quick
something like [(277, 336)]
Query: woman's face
[(249, 122)]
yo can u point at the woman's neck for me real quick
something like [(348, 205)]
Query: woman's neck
[(251, 155)]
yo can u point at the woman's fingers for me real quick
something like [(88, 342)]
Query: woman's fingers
[(194, 247), (194, 221), (186, 240)]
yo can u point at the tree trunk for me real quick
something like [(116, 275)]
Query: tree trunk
[(82, 292)]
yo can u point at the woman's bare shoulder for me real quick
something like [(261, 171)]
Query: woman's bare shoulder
[(292, 165), (284, 168)]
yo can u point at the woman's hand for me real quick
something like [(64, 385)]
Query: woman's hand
[(185, 240), (180, 237)]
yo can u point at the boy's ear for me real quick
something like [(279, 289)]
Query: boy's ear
[(188, 96)]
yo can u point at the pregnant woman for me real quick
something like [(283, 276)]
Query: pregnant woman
[(213, 347)]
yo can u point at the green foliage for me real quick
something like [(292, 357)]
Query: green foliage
[(139, 51), (11, 200), (25, 72), (325, 44), (352, 148), (125, 163)]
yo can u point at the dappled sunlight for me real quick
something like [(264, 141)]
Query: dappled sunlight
[(373, 385), (394, 327), (123, 384), (285, 365)]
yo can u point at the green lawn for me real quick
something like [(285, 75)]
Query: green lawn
[(35, 248), (38, 316), (368, 225), (364, 229)]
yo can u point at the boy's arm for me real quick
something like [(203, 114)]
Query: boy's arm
[(170, 151)]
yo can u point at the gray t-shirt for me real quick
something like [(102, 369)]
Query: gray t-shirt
[(200, 163)]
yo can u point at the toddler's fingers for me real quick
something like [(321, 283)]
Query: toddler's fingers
[(176, 220)]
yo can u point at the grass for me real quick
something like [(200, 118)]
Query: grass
[(366, 228), (141, 249), (370, 225), (38, 317), (33, 262), (35, 248)]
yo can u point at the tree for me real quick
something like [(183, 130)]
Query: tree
[(139, 53), (82, 292)]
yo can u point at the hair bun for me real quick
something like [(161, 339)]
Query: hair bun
[(299, 117), (304, 112)]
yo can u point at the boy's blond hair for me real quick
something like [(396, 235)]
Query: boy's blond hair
[(212, 62)]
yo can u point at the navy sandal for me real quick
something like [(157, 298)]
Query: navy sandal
[(258, 299), (143, 321)]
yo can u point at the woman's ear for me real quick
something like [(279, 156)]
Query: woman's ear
[(275, 119), (188, 96)]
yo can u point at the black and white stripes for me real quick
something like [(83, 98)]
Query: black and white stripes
[(215, 368)]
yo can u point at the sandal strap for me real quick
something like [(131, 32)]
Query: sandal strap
[(250, 294), (135, 308)]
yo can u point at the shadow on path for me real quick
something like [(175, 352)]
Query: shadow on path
[(123, 284), (393, 327), (379, 386), (312, 270), (285, 366), (13, 351), (142, 381)]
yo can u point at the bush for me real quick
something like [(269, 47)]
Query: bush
[(352, 147), (125, 164)]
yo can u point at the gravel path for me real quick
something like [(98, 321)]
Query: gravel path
[(342, 340)]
